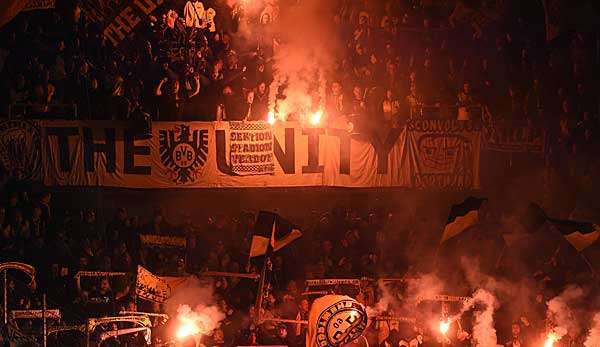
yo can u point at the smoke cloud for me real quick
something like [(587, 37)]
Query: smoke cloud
[(593, 337), (424, 286), (196, 309), (484, 333), (562, 310), (387, 301), (302, 59)]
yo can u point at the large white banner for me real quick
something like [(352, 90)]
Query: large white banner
[(199, 155)]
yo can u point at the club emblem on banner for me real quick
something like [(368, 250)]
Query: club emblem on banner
[(183, 152), (341, 323), (446, 158), (20, 153)]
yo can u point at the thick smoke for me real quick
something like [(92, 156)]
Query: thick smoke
[(484, 333), (416, 289), (387, 301), (206, 317), (304, 54), (593, 337), (562, 311), (424, 286), (194, 303)]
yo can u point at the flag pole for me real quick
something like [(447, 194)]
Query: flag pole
[(5, 298), (261, 288), (263, 274), (44, 320)]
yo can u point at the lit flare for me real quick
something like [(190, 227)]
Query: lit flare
[(191, 323), (444, 326), (550, 339), (271, 117), (315, 118), (188, 328)]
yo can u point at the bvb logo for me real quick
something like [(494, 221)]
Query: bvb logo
[(20, 152), (341, 323), (183, 153)]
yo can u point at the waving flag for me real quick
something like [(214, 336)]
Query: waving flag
[(151, 287), (462, 216), (580, 235), (271, 230)]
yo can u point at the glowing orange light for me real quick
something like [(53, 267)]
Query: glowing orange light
[(550, 339), (315, 118), (188, 328), (444, 326), (350, 127), (271, 117)]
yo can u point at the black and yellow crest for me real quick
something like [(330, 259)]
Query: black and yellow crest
[(183, 152)]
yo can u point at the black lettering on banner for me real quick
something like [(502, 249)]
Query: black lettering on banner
[(443, 125), (287, 158), (383, 149), (146, 6), (119, 28), (130, 17), (222, 153), (130, 151), (313, 150), (64, 154), (344, 149), (90, 148)]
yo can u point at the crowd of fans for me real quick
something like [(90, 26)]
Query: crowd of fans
[(342, 243), (402, 59), (399, 60)]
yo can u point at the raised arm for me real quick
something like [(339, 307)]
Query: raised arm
[(158, 91), (197, 87)]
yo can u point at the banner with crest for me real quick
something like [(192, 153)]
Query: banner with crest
[(20, 153), (444, 154), (335, 321), (256, 154)]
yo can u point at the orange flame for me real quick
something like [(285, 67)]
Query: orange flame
[(191, 323), (187, 329), (315, 118), (271, 117)]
